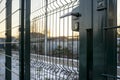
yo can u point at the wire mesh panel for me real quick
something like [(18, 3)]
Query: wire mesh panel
[(2, 40), (54, 46), (118, 39), (15, 38), (9, 39), (118, 54)]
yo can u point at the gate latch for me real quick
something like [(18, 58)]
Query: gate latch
[(71, 14), (101, 5), (75, 18)]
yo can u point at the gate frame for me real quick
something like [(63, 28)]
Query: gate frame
[(104, 42), (21, 35), (8, 64), (27, 40)]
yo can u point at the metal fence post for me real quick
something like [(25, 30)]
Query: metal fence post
[(46, 3), (8, 40), (86, 44), (21, 29), (111, 38), (27, 40)]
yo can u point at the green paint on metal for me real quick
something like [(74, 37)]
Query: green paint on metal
[(27, 40), (8, 75)]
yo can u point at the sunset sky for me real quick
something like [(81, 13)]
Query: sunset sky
[(15, 20), (118, 20)]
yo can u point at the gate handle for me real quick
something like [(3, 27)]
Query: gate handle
[(71, 13)]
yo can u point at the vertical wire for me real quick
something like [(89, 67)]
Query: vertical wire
[(41, 45), (72, 46), (52, 39), (67, 49), (49, 42), (43, 27), (47, 56), (56, 43), (34, 46), (68, 54), (46, 3), (60, 42), (40, 41), (48, 50), (78, 40), (54, 57), (45, 32), (41, 38), (58, 37), (34, 36), (50, 75), (57, 40), (64, 38), (46, 6), (63, 54), (50, 53), (37, 48)]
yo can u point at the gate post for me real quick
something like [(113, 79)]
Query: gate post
[(27, 39), (86, 20), (111, 39), (98, 48), (8, 40), (104, 40), (21, 54)]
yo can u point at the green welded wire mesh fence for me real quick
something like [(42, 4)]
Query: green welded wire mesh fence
[(54, 47), (9, 39), (37, 41)]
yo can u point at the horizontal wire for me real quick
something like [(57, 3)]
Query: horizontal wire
[(60, 10), (6, 55), (10, 28), (1, 1), (55, 10), (9, 56), (42, 7), (10, 15), (50, 13), (2, 65), (5, 6), (50, 3), (9, 42), (2, 10)]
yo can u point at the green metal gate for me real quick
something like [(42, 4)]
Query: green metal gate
[(58, 39)]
